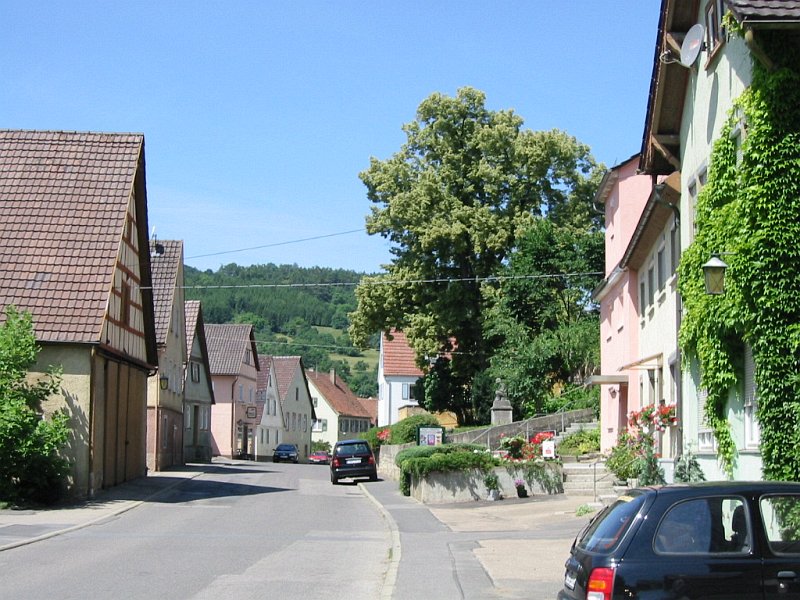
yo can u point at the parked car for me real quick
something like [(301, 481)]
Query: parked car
[(285, 452), (319, 458), (724, 540), (352, 458)]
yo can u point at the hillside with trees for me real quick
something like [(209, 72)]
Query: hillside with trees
[(294, 311)]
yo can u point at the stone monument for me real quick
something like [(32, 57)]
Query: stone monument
[(501, 407)]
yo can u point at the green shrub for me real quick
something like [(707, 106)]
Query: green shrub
[(622, 461), (583, 441), (405, 431), (688, 469), (421, 460)]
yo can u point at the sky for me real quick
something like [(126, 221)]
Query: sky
[(259, 115)]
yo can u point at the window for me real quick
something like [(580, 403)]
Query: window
[(752, 431), (294, 421), (250, 395), (187, 417), (195, 371), (296, 394), (651, 281), (674, 247), (714, 29), (241, 393), (642, 297), (305, 422), (704, 526), (408, 391), (780, 521), (661, 267), (314, 401), (164, 433), (343, 425), (705, 436), (247, 357)]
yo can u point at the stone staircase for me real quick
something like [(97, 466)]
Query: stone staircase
[(586, 475)]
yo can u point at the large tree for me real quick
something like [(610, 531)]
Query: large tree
[(454, 200)]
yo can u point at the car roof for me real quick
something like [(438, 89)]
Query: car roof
[(723, 487), (343, 442)]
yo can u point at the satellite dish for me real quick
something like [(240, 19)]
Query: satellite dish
[(692, 45)]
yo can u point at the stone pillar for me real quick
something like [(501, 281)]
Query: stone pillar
[(501, 407)]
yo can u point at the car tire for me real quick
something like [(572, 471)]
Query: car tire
[(373, 477), (334, 479), (295, 461)]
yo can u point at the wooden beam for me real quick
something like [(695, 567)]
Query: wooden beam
[(665, 152)]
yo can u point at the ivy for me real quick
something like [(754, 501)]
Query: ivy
[(750, 208)]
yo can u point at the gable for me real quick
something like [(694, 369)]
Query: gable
[(67, 201), (166, 265), (228, 347), (397, 356)]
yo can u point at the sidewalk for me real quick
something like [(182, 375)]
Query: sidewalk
[(20, 527)]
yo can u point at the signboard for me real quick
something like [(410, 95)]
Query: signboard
[(548, 449), (251, 412), (430, 436)]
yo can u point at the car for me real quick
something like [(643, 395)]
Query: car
[(285, 452), (319, 458), (352, 458), (725, 540)]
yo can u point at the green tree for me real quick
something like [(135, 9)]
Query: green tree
[(31, 468), (454, 201)]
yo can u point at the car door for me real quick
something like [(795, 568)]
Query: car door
[(780, 517), (695, 552)]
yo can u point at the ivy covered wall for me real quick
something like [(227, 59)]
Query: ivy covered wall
[(750, 208)]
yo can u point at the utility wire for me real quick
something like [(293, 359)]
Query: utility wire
[(309, 239)]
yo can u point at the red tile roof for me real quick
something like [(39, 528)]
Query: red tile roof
[(227, 345), (371, 407), (285, 368), (398, 357), (337, 394), (262, 379), (166, 257), (63, 207)]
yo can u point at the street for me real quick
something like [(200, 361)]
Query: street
[(250, 530)]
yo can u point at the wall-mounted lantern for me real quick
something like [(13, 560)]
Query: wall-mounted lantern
[(163, 381), (714, 273)]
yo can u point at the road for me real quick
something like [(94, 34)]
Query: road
[(250, 530)]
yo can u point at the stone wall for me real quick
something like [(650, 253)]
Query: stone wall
[(466, 486), (386, 454), (490, 436)]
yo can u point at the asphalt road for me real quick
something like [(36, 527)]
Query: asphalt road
[(254, 530)]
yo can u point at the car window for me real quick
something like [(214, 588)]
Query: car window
[(704, 526), (352, 449), (609, 527), (781, 516)]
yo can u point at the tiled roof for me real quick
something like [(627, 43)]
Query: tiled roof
[(398, 357), (765, 11), (262, 379), (285, 368), (166, 257), (371, 407), (227, 345), (63, 206), (337, 394), (192, 314)]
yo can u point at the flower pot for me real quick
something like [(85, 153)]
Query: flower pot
[(494, 495), (522, 492)]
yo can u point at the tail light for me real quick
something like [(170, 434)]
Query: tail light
[(601, 584), (335, 462), (371, 460)]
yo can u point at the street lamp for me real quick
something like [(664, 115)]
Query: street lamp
[(714, 273)]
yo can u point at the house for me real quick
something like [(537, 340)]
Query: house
[(74, 252), (287, 384), (623, 194), (270, 429), (165, 395), (699, 72), (198, 390), (235, 414), (340, 415), (397, 375)]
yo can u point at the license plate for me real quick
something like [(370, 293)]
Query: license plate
[(569, 581), (353, 461)]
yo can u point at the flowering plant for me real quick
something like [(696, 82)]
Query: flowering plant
[(653, 418), (383, 435), (513, 446), (519, 483)]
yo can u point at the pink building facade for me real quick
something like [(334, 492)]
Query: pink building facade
[(624, 195)]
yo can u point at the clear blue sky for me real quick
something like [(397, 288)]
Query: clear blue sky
[(259, 115)]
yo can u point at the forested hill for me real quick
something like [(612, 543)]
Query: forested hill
[(288, 305)]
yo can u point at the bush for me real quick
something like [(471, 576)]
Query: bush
[(622, 461), (687, 468), (421, 460), (405, 431), (583, 441)]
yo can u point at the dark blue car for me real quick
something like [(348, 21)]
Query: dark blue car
[(720, 540), (285, 452)]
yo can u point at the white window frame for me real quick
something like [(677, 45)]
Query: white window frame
[(752, 429)]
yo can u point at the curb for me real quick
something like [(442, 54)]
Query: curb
[(390, 578), (130, 505)]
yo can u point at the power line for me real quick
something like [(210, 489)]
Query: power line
[(376, 281), (308, 239)]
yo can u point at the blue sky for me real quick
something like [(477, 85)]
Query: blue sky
[(259, 115)]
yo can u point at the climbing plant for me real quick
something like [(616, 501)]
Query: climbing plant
[(750, 208)]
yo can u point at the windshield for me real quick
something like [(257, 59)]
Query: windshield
[(609, 527)]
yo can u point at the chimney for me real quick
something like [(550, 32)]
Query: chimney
[(333, 376)]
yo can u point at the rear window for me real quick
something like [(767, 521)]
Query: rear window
[(352, 449), (605, 532), (781, 516)]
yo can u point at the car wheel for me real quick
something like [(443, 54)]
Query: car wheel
[(295, 461), (334, 479), (373, 477)]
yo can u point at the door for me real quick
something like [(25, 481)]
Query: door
[(781, 519)]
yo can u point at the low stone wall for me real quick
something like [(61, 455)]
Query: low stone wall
[(490, 436), (466, 486), (387, 469)]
